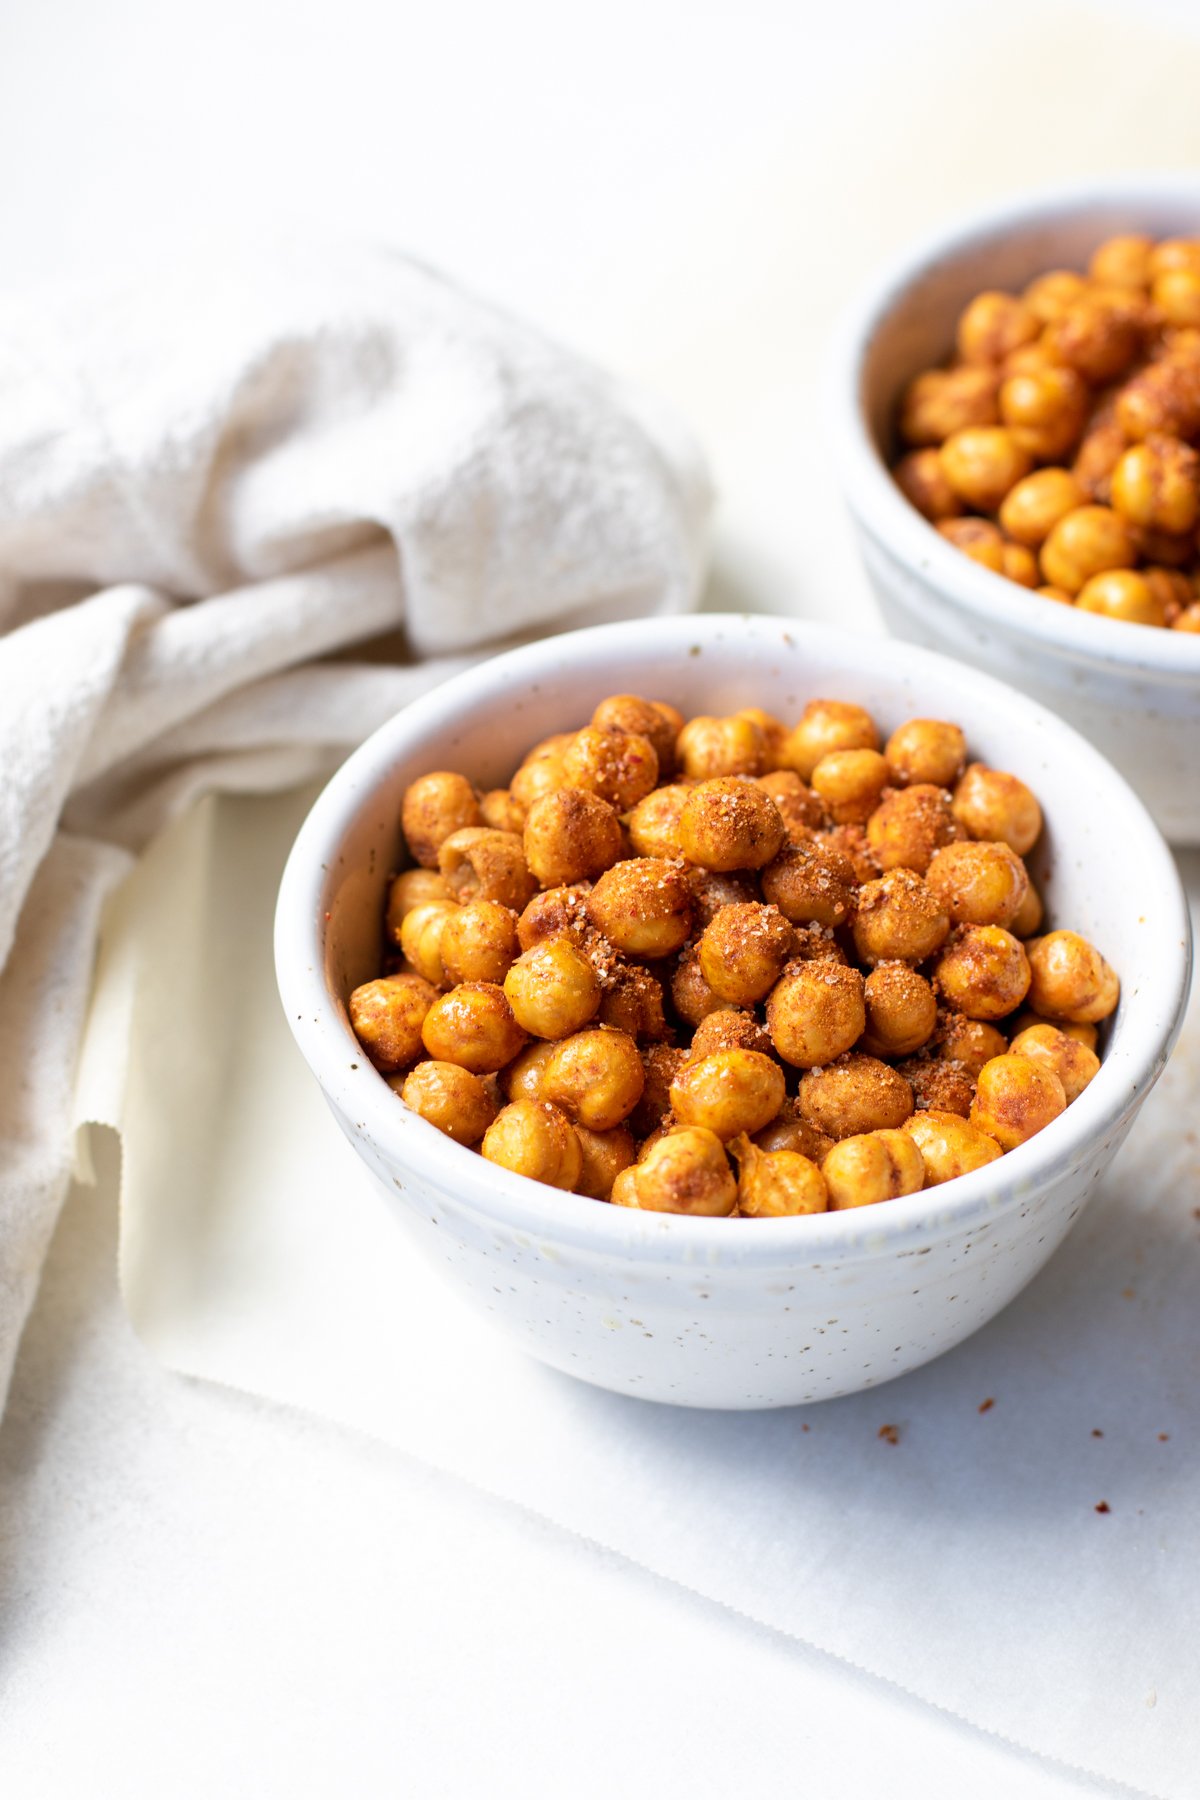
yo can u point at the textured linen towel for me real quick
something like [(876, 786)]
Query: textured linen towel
[(210, 479)]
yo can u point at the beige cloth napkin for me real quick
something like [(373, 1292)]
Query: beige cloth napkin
[(212, 477)]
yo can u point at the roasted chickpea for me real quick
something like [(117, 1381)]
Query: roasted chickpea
[(937, 1084), (643, 906), (774, 734), (922, 480), (1163, 397), (855, 1095), (533, 1138), (1084, 543), (386, 1017), (971, 1042), (500, 812), (450, 1098), (850, 841), (686, 1171), (708, 748), (541, 772), (743, 951), (909, 825), (691, 995), (849, 782), (1156, 485), (979, 539), (556, 912), (871, 1167), (1026, 1018), (815, 1011), (1171, 589), (729, 1092), (983, 972), (1049, 295), (993, 325), (1122, 262), (620, 766), (1052, 593), (948, 1145), (1173, 253), (899, 918), (1100, 450), (596, 1077), (728, 1031), (415, 887), (823, 727), (926, 753), (1029, 914), (521, 1079), (478, 942), (571, 836), (811, 884), (943, 401), (994, 806), (1097, 337), (1031, 359), (660, 1065), (1034, 506), (553, 989), (777, 1184), (473, 1025), (712, 889), (979, 883), (802, 811), (487, 865), (1072, 1062), (1020, 565), (983, 462), (1070, 979), (1122, 594), (1188, 619), (1176, 295), (632, 1000), (1044, 411), (605, 1154), (901, 1010), (730, 823), (789, 1130), (421, 939), (629, 712), (1016, 1098), (433, 809), (654, 822)]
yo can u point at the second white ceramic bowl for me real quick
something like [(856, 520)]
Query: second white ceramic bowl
[(731, 1312), (1134, 690)]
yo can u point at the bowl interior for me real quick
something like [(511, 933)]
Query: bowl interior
[(1101, 864)]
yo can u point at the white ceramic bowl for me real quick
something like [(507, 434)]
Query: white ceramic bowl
[(1133, 689), (720, 1312)]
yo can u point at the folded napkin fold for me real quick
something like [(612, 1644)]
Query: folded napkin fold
[(209, 480)]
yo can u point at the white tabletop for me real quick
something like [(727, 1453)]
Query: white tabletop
[(204, 1594)]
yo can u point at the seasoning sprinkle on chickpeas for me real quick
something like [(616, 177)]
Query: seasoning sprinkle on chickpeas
[(736, 967), (1060, 450)]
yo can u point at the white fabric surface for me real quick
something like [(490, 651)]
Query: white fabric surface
[(259, 458)]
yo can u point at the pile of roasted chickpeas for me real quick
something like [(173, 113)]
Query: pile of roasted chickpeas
[(1058, 446), (726, 967)]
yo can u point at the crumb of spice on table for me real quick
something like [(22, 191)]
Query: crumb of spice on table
[(890, 1434), (1102, 1506), (1096, 1431), (986, 1405)]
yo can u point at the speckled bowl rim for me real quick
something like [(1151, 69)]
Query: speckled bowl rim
[(318, 1021), (1109, 644)]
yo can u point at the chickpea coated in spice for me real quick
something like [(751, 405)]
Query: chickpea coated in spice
[(1060, 450), (603, 1003)]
